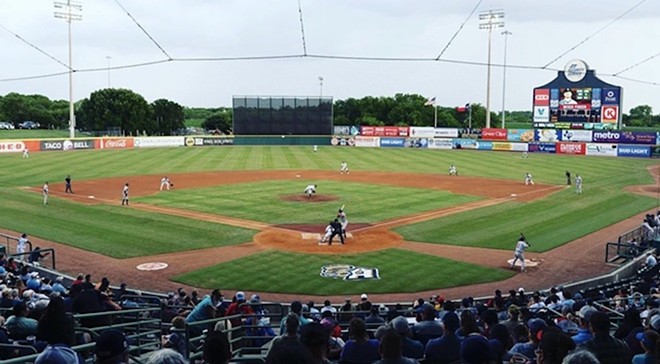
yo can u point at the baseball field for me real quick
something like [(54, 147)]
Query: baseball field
[(236, 219)]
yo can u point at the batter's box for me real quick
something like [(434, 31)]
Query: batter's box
[(317, 236)]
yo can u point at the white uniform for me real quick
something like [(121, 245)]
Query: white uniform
[(26, 153), (316, 148), (45, 192), (164, 182), (21, 247), (328, 233), (521, 245), (341, 216), (124, 195), (453, 171), (343, 168), (578, 184), (310, 190), (528, 179)]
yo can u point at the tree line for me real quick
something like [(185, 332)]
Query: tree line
[(125, 110)]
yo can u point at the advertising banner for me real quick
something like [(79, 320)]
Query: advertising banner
[(68, 144), (157, 142), (627, 137), (208, 141), (11, 146), (416, 142), (554, 98), (502, 146), (465, 143), (362, 141), (547, 135), (542, 147), (610, 114), (445, 133), (422, 131), (484, 145), (571, 148), (493, 134), (640, 151), (542, 97), (605, 150), (611, 96), (657, 138), (576, 135), (342, 141), (389, 131), (518, 135), (441, 144), (541, 114), (341, 130), (595, 98), (114, 143), (518, 147), (392, 142)]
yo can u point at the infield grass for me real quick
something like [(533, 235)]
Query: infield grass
[(365, 203), (400, 271)]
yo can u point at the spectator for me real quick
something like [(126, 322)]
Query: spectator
[(475, 350), (20, 326), (428, 328), (580, 357), (175, 340), (328, 306), (58, 354), (359, 348), (166, 356), (447, 348), (374, 319), (513, 321), (287, 341), (216, 348), (36, 256), (584, 332), (631, 323), (411, 348), (390, 349), (296, 307), (554, 346), (54, 326), (566, 321), (59, 287), (206, 308), (90, 301), (346, 311), (315, 338), (112, 347), (606, 348), (500, 341), (649, 341), (650, 261), (468, 325), (527, 349), (364, 304)]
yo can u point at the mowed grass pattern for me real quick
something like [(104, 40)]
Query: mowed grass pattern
[(364, 203), (400, 271)]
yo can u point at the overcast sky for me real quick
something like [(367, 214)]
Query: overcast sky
[(542, 30)]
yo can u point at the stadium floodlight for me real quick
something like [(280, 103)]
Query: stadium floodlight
[(70, 11), (506, 35), (489, 20), (321, 86), (108, 58)]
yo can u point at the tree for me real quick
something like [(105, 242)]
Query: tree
[(116, 108), (641, 115), (169, 116), (221, 120)]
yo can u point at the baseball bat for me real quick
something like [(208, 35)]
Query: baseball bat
[(342, 207)]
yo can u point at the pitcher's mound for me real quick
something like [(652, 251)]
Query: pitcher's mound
[(314, 198)]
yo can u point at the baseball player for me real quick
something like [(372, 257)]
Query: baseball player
[(26, 153), (21, 246), (310, 190), (343, 220), (453, 171), (328, 234), (124, 195), (315, 148), (45, 192), (578, 184), (67, 184), (343, 168), (568, 178), (521, 245), (528, 179), (165, 182)]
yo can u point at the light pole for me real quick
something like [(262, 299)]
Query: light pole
[(108, 58), (321, 86), (506, 34), (489, 20), (72, 11)]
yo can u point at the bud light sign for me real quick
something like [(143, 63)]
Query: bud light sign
[(392, 142), (634, 151)]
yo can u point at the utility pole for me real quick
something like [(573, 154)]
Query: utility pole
[(506, 34), (72, 11), (488, 21)]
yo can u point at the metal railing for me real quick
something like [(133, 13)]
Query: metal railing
[(8, 243), (625, 251)]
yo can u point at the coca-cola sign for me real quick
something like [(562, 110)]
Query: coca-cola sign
[(116, 143)]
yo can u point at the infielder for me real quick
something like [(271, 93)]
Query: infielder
[(521, 245), (45, 192), (67, 184), (528, 179), (343, 168), (310, 190), (328, 234), (341, 216), (453, 171), (578, 184), (124, 195), (165, 183)]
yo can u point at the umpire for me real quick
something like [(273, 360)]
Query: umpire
[(336, 230)]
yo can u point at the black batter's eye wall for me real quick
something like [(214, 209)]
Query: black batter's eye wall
[(265, 115)]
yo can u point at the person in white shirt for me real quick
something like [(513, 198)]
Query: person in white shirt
[(21, 246), (453, 171), (45, 192), (578, 184), (310, 190), (651, 261), (164, 183), (26, 153), (328, 234), (521, 245), (343, 168), (124, 195), (528, 179)]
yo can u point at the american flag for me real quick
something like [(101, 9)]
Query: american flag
[(430, 102)]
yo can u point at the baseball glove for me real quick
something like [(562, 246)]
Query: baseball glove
[(171, 184)]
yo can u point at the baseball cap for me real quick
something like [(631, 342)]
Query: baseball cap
[(535, 325), (255, 299), (513, 309), (655, 322), (111, 343), (426, 308), (57, 354), (649, 338), (475, 349), (521, 289), (364, 296), (240, 296), (586, 312), (400, 324)]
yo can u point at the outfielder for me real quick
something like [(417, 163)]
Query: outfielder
[(26, 153), (328, 234), (453, 171), (578, 184), (521, 245), (528, 179), (124, 195), (165, 182), (310, 190), (343, 168), (341, 216)]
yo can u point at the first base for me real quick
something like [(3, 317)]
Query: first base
[(90, 196)]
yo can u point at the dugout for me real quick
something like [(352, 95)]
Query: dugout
[(277, 116)]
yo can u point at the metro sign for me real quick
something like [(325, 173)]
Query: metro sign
[(610, 114)]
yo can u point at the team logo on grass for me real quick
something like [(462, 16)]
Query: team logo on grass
[(349, 272)]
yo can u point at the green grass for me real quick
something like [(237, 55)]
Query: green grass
[(115, 231), (261, 201), (400, 271), (35, 134)]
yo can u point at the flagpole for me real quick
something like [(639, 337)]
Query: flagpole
[(470, 118), (435, 116)]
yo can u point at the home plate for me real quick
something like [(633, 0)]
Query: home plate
[(316, 236), (90, 196), (528, 263)]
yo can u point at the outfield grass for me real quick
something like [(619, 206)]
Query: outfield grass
[(35, 134), (400, 271), (261, 201)]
